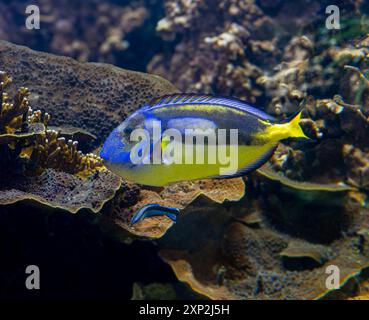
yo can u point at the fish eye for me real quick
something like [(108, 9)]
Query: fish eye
[(127, 131)]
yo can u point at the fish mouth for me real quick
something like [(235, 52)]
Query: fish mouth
[(113, 149)]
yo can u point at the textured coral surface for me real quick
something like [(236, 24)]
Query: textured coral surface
[(303, 212), (96, 97)]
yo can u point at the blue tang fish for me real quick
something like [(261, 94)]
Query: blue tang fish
[(152, 210), (157, 144)]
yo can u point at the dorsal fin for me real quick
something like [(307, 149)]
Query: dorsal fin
[(206, 99)]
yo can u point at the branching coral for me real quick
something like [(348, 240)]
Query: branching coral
[(16, 117), (45, 149), (52, 151), (272, 244), (102, 97), (40, 165), (215, 57)]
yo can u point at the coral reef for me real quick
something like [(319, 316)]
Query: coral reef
[(38, 149), (17, 120), (241, 50), (93, 97), (215, 59), (58, 189), (179, 195), (86, 31), (339, 126), (306, 208), (42, 165), (302, 212), (39, 165), (280, 255)]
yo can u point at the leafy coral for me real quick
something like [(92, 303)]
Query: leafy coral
[(292, 223), (229, 258), (96, 98), (179, 195), (38, 149), (315, 191), (40, 165)]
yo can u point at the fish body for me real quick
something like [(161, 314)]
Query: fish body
[(227, 129), (153, 210)]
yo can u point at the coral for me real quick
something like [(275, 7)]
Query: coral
[(74, 133), (39, 165), (364, 289), (38, 149), (57, 189), (214, 58), (90, 96), (178, 195), (357, 163), (268, 246), (314, 254), (272, 175), (17, 117), (52, 151), (96, 98), (92, 31), (230, 47), (338, 124)]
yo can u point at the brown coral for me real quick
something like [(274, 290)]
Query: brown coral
[(31, 155), (43, 148), (230, 259), (215, 59), (94, 97), (179, 195), (57, 189), (92, 31), (52, 151), (16, 117), (105, 99)]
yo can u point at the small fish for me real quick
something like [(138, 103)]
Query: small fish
[(253, 137), (152, 210)]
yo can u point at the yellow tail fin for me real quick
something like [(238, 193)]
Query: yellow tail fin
[(278, 131), (295, 129)]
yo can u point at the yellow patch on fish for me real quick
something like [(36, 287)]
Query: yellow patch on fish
[(280, 131)]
